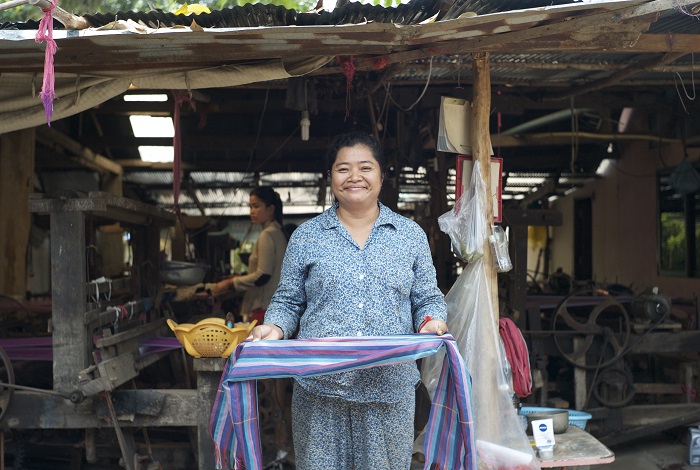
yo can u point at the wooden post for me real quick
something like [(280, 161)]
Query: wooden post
[(439, 244), (68, 297), (209, 372), (16, 184), (486, 384), (481, 148)]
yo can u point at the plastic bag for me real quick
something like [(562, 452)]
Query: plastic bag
[(685, 179), (499, 248), (465, 223), (501, 442)]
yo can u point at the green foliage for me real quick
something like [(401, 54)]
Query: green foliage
[(672, 242), (299, 5), (86, 7)]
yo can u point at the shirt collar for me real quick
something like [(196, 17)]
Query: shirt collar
[(330, 217), (273, 223)]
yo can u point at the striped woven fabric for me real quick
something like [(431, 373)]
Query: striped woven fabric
[(234, 426)]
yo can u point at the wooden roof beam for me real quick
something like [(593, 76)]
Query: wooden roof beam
[(81, 154), (631, 21)]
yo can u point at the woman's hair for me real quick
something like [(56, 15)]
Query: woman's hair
[(350, 139), (269, 197)]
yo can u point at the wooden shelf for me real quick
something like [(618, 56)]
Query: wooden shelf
[(106, 206)]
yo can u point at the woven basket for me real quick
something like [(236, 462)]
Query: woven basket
[(210, 337)]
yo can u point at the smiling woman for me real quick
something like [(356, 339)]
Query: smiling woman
[(358, 269), (356, 180)]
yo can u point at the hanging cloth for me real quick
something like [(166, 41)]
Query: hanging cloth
[(518, 356), (45, 34)]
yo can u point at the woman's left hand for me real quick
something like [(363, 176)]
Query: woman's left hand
[(434, 326)]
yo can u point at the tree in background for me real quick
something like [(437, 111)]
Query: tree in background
[(86, 7)]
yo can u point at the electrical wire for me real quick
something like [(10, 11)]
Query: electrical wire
[(425, 88), (257, 136), (692, 80)]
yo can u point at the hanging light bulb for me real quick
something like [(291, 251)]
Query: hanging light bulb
[(305, 123)]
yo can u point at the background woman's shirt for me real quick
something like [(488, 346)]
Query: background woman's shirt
[(265, 260), (332, 287)]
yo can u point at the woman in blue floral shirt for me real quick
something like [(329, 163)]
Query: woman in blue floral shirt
[(356, 269)]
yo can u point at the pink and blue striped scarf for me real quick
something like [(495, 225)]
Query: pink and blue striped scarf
[(234, 426)]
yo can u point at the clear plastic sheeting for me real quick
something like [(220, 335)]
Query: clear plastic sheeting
[(501, 442), (465, 223)]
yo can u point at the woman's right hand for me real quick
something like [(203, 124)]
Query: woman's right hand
[(266, 331), (222, 286)]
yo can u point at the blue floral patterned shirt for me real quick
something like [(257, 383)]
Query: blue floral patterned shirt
[(331, 287)]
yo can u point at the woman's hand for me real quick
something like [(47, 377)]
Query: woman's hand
[(434, 326), (222, 286), (267, 331)]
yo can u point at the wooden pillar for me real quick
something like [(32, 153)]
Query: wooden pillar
[(390, 187), (113, 183), (439, 243), (68, 297), (16, 184), (486, 384), (111, 236), (209, 372), (481, 148), (145, 249)]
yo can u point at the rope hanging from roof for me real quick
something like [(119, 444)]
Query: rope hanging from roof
[(348, 66), (45, 34)]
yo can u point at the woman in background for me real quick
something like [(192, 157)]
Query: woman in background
[(265, 262)]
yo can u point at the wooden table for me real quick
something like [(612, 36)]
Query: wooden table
[(575, 448)]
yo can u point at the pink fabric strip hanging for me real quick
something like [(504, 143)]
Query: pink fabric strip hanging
[(45, 34)]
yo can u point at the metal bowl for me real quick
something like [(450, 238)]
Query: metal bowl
[(560, 420), (181, 273)]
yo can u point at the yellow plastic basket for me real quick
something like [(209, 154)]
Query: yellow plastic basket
[(210, 337)]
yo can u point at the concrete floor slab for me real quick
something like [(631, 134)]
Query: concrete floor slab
[(663, 451)]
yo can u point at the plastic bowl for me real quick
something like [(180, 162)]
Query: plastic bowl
[(210, 337)]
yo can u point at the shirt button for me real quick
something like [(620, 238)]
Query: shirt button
[(361, 305), (362, 276), (359, 333)]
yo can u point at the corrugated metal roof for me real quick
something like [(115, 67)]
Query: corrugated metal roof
[(511, 30), (679, 20), (483, 7)]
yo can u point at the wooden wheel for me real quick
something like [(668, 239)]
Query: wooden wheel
[(607, 326), (7, 376), (614, 387)]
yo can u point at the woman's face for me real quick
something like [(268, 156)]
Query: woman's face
[(261, 213), (356, 177)]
